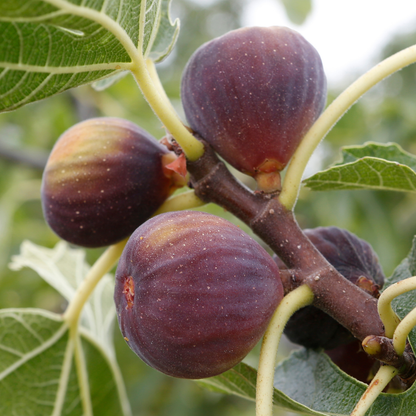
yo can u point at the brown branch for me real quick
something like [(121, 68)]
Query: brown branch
[(351, 306)]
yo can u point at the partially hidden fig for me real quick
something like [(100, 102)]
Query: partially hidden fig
[(104, 177), (356, 260), (194, 293), (252, 94)]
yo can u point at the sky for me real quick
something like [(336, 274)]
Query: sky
[(347, 34)]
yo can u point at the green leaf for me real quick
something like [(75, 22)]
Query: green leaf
[(309, 377), (241, 381), (167, 34), (49, 46), (297, 10), (47, 370), (371, 166), (64, 268)]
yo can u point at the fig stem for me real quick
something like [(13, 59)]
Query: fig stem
[(156, 97), (298, 298), (402, 331), (151, 68), (102, 266), (295, 170), (382, 378), (387, 315), (179, 202)]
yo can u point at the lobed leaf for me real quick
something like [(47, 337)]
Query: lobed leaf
[(371, 166), (167, 34), (43, 368), (49, 46)]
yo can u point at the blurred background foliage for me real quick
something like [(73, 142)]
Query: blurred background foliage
[(387, 220)]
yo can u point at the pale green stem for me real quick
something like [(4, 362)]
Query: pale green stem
[(377, 385), (180, 202), (151, 68), (82, 373), (403, 330), (155, 95), (192, 147), (102, 266), (388, 317), (298, 298), (332, 114)]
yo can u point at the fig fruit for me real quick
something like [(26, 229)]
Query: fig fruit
[(355, 259), (353, 360), (252, 94), (104, 177), (194, 293)]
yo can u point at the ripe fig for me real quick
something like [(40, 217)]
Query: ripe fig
[(194, 293), (252, 94), (355, 259), (104, 177)]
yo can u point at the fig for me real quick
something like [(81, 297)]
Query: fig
[(104, 177), (353, 360), (252, 94), (356, 260), (194, 293)]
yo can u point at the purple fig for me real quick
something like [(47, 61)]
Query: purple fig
[(252, 94), (104, 177), (194, 293)]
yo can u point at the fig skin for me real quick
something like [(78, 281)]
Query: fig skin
[(252, 94), (355, 259), (104, 177), (194, 293)]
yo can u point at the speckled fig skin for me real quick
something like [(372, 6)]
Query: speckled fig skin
[(253, 93), (194, 293), (104, 177), (353, 258)]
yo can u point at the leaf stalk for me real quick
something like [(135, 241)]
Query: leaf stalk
[(298, 298), (382, 378), (102, 266), (322, 126)]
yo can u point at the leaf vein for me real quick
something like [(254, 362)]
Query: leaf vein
[(34, 19), (26, 357)]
